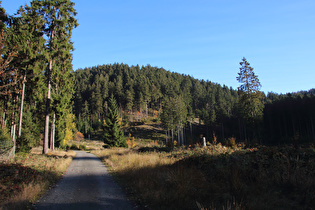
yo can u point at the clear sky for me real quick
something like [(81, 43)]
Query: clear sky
[(203, 38)]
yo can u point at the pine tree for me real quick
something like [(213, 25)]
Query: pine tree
[(174, 115), (8, 51), (57, 22), (113, 134), (8, 75), (250, 96), (28, 62)]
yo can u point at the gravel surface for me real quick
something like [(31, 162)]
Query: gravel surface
[(86, 185)]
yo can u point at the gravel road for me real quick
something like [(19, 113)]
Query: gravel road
[(85, 185)]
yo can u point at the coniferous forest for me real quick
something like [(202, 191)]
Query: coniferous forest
[(174, 141), (43, 101), (212, 108)]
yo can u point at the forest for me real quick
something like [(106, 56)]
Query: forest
[(37, 81), (148, 90), (172, 141), (44, 102)]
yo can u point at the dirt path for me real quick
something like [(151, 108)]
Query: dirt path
[(86, 185)]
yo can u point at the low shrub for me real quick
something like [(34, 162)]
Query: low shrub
[(22, 145), (74, 147), (82, 147), (231, 142), (79, 136)]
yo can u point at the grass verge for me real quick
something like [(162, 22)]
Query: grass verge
[(216, 177), (25, 179)]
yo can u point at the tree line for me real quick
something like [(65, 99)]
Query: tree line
[(37, 81), (179, 100), (148, 90), (290, 117)]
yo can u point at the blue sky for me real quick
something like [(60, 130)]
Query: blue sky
[(205, 39)]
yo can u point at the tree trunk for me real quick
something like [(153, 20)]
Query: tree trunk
[(146, 108), (13, 129), (46, 138), (223, 132), (191, 131), (4, 119), (52, 133), (85, 126), (240, 129), (178, 136), (313, 131), (14, 141), (183, 134), (245, 134), (21, 108)]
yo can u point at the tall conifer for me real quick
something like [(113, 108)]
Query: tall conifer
[(57, 24), (251, 99), (249, 91), (113, 134)]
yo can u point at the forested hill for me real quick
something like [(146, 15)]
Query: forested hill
[(136, 87), (145, 91), (148, 89)]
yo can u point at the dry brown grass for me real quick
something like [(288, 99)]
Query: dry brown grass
[(26, 178), (215, 177), (153, 178), (121, 159), (89, 144)]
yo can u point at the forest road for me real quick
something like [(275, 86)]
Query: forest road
[(86, 185)]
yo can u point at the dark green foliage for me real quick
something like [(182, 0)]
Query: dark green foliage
[(174, 113), (82, 147), (5, 138), (113, 134), (39, 38), (23, 144), (251, 99), (251, 102), (74, 147), (290, 118), (146, 89), (216, 106)]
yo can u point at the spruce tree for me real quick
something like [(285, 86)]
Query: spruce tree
[(113, 134), (174, 116), (249, 92), (250, 98), (28, 62), (57, 22)]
